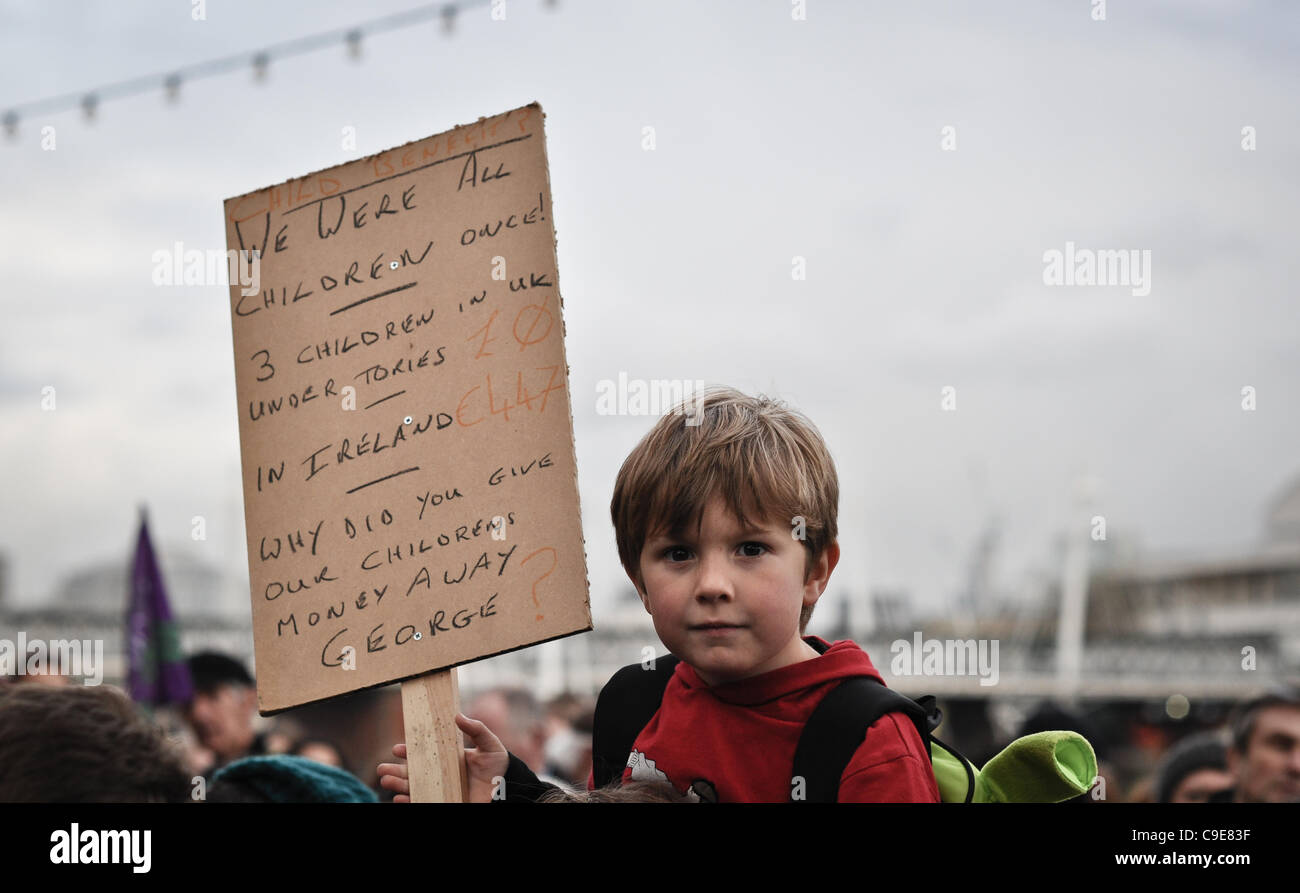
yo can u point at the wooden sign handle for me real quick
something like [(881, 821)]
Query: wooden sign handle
[(435, 747)]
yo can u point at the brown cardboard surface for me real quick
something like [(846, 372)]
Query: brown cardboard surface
[(424, 278)]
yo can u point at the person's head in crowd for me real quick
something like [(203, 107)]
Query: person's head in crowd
[(627, 792), (1194, 769), (83, 744), (285, 778), (223, 707), (514, 715), (1264, 754), (325, 752)]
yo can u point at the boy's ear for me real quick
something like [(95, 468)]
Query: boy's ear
[(820, 574), (640, 590)]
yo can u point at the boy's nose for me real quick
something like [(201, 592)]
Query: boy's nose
[(713, 581)]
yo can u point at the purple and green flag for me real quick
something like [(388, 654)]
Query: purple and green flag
[(157, 673)]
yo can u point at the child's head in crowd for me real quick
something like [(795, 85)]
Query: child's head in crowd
[(725, 520)]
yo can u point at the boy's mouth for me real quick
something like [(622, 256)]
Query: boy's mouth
[(716, 626)]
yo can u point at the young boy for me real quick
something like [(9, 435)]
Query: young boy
[(725, 519)]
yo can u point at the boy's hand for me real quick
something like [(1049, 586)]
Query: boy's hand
[(392, 776), (485, 759)]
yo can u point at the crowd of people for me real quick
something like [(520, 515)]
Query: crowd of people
[(217, 749), (725, 519)]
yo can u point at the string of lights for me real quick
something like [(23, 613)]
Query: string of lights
[(259, 61)]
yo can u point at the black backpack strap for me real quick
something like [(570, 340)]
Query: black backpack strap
[(838, 726), (965, 764), (625, 705)]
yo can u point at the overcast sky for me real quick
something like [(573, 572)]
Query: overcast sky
[(774, 139)]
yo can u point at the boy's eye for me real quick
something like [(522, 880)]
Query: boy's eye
[(676, 554)]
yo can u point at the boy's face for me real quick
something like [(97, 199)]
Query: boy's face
[(728, 603)]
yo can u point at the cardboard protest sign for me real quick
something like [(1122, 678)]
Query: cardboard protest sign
[(410, 485)]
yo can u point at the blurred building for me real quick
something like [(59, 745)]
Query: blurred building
[(91, 603), (1203, 621), (1201, 626)]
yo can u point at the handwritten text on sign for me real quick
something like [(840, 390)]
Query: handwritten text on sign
[(409, 476)]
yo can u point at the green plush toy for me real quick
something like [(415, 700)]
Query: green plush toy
[(1047, 767)]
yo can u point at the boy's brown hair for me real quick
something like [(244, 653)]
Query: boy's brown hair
[(764, 459)]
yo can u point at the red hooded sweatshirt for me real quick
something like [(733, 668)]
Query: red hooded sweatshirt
[(735, 742)]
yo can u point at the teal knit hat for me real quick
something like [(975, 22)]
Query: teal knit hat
[(287, 779)]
